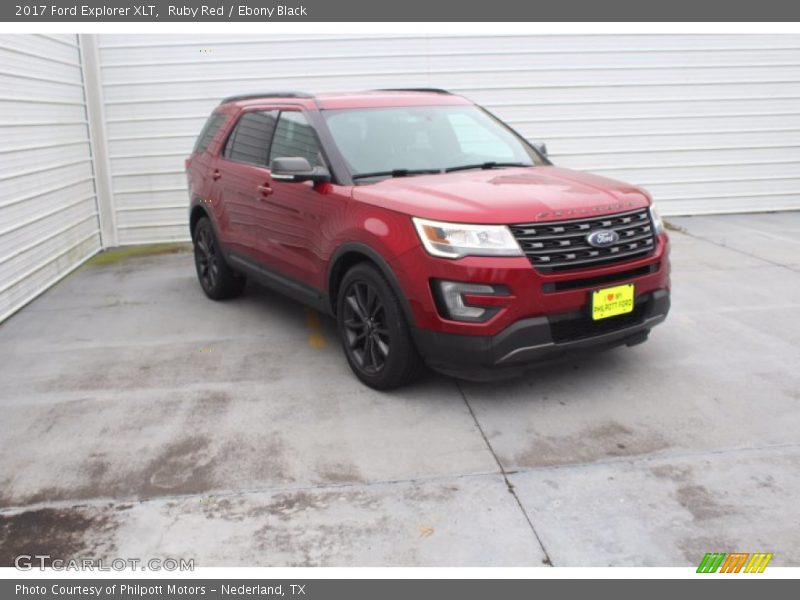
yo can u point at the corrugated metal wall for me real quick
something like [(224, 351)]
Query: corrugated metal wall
[(48, 217), (707, 123)]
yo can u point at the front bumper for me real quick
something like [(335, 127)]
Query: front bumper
[(538, 339)]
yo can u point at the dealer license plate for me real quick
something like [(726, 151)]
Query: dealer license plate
[(613, 301)]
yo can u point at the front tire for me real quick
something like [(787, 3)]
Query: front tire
[(375, 335), (216, 278)]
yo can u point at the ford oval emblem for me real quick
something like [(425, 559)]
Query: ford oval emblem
[(602, 238)]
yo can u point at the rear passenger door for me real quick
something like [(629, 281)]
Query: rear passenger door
[(243, 181)]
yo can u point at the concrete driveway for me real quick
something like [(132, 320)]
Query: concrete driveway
[(139, 419)]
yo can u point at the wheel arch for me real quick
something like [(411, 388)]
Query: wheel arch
[(348, 255), (197, 212)]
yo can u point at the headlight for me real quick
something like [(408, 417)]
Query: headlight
[(452, 240), (656, 218)]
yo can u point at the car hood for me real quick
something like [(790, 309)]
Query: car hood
[(508, 195)]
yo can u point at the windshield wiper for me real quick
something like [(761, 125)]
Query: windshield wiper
[(487, 165), (397, 173)]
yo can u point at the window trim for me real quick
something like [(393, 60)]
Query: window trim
[(305, 114), (223, 118), (229, 136), (334, 162), (279, 109)]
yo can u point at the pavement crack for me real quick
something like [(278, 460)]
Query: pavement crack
[(229, 493), (642, 459), (509, 486)]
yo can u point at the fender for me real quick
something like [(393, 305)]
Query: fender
[(199, 202), (383, 267)]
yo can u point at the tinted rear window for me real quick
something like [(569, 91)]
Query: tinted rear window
[(210, 130), (250, 139)]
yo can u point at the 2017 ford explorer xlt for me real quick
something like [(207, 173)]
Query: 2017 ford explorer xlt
[(432, 231)]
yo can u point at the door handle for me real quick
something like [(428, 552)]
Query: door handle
[(215, 175), (265, 189)]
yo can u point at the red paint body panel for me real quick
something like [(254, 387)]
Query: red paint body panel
[(517, 195), (297, 229)]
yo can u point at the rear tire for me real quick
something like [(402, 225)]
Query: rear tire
[(216, 278), (376, 338)]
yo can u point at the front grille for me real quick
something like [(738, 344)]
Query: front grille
[(561, 245)]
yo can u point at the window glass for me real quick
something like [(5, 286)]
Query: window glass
[(295, 137), (249, 141), (423, 137), (475, 138), (210, 130)]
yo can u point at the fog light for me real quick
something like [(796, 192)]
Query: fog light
[(452, 305)]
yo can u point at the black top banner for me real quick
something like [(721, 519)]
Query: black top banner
[(406, 10)]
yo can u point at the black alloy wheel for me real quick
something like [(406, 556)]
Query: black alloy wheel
[(207, 258), (216, 278), (365, 327), (375, 335)]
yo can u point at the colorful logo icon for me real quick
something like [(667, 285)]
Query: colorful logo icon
[(736, 562)]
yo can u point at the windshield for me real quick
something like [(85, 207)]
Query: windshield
[(408, 140)]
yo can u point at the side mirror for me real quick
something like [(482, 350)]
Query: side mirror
[(541, 147), (296, 169)]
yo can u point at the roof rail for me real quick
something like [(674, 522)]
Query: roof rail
[(273, 94), (423, 90)]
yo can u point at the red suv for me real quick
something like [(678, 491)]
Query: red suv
[(432, 231)]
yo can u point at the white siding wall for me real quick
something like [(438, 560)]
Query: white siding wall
[(707, 123), (48, 220)]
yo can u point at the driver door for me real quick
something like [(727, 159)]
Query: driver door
[(292, 218)]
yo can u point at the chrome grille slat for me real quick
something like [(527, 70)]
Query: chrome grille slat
[(611, 258), (590, 221), (556, 249), (572, 234), (562, 246)]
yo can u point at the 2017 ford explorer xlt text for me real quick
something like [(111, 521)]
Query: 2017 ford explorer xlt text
[(433, 232)]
